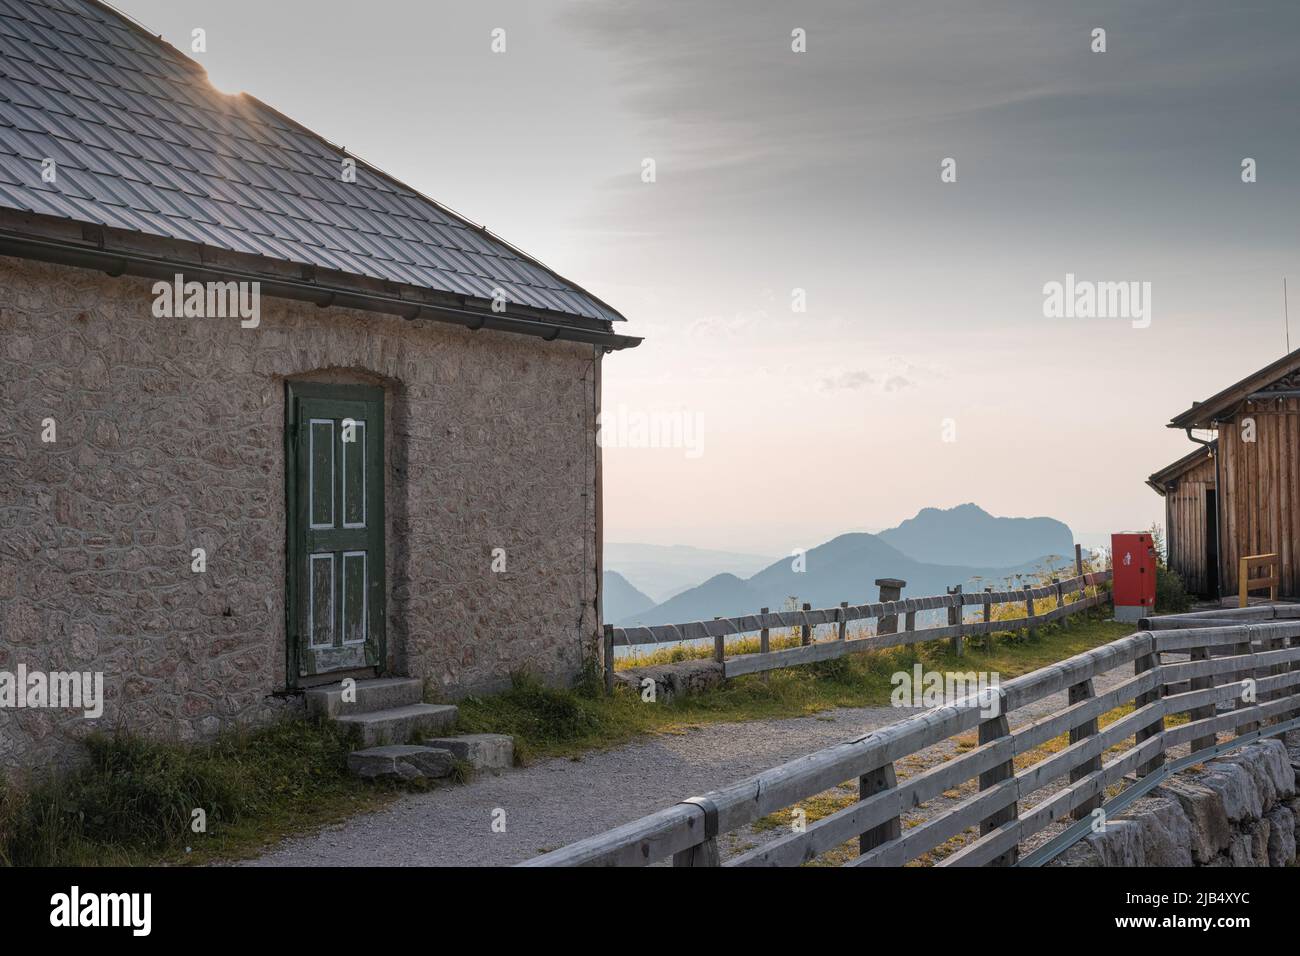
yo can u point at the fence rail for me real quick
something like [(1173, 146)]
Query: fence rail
[(1202, 670), (884, 611)]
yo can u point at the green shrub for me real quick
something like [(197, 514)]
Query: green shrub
[(1171, 594)]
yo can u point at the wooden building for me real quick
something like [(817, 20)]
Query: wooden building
[(1237, 493)]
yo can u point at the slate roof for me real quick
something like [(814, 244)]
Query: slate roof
[(144, 143)]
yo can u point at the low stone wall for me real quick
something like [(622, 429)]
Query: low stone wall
[(684, 677), (1240, 809)]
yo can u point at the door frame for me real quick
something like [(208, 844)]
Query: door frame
[(1211, 508), (295, 390)]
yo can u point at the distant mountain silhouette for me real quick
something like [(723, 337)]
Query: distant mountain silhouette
[(843, 569), (664, 570), (970, 535), (620, 598)]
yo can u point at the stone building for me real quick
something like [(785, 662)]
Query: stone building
[(268, 417)]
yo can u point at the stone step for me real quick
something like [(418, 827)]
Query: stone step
[(481, 751), (397, 725), (380, 693), (401, 761)]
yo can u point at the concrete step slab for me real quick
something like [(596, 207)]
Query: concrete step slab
[(398, 725), (382, 693), (402, 762), (482, 751)]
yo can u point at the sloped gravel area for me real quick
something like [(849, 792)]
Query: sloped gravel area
[(555, 802)]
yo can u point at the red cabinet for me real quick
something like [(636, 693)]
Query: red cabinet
[(1133, 558)]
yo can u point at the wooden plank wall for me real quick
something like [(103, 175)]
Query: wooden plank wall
[(1260, 509), (1187, 525)]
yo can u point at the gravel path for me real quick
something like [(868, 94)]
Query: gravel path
[(553, 803)]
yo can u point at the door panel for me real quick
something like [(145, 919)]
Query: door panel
[(353, 617), (320, 481), (336, 528), (320, 613), (354, 477)]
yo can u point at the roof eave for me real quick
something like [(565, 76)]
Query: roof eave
[(1158, 479), (148, 257), (1203, 414), (1184, 422)]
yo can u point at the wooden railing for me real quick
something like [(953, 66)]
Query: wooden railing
[(1201, 665), (807, 619), (1247, 584)]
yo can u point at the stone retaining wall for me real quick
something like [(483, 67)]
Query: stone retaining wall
[(1240, 809)]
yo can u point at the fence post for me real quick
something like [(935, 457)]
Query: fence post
[(955, 617), (989, 731), (1245, 647), (1275, 644), (702, 854), (609, 659), (1142, 665), (1292, 715), (806, 637), (844, 620), (891, 589), (870, 784), (1063, 617), (719, 646), (764, 643), (1029, 613), (1078, 571), (1201, 713), (1078, 693), (988, 617)]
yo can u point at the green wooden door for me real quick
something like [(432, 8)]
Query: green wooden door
[(335, 451)]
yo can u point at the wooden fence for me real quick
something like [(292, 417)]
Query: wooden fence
[(1071, 597), (1199, 665), (1246, 583)]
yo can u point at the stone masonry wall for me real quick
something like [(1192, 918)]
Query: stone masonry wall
[(170, 436), (1240, 809)]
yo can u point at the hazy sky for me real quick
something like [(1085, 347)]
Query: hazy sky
[(820, 171)]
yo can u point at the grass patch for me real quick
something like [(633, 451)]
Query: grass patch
[(549, 722), (133, 801)]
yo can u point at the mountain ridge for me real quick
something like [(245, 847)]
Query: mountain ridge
[(967, 534), (845, 567), (621, 598)]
